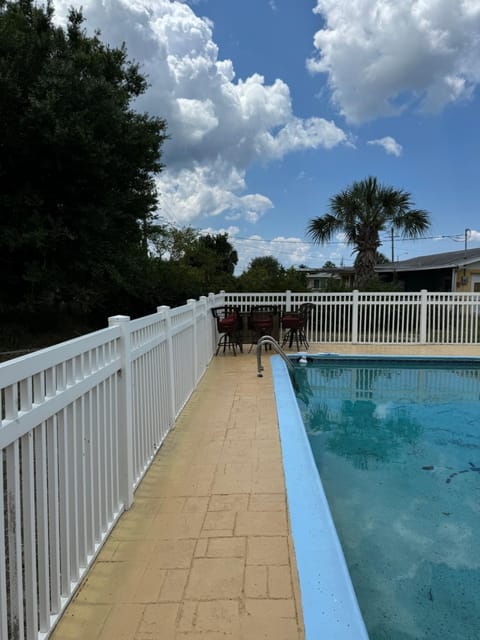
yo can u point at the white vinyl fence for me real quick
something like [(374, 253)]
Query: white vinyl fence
[(380, 318), (80, 423)]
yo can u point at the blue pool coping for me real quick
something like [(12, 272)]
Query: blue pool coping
[(330, 606)]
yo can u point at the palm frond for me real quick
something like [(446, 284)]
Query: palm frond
[(321, 229), (413, 223)]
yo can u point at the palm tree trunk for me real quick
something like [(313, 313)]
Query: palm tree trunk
[(364, 268)]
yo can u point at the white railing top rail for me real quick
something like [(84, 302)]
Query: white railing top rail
[(32, 363)]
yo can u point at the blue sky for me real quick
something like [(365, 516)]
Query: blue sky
[(274, 106)]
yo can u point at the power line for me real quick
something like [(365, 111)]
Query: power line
[(457, 237)]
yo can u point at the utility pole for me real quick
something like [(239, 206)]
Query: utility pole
[(467, 232), (393, 255)]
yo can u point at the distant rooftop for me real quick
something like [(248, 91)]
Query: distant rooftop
[(447, 260), (435, 261)]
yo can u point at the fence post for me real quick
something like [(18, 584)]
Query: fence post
[(193, 304), (355, 308), (423, 316), (165, 312), (288, 300), (205, 338), (212, 332), (125, 412)]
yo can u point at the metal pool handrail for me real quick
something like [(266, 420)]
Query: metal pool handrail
[(269, 340)]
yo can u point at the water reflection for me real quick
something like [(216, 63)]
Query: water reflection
[(366, 413), (392, 383), (358, 431)]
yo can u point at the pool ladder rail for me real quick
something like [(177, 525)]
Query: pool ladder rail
[(271, 341)]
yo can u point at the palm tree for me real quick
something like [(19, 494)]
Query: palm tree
[(362, 211)]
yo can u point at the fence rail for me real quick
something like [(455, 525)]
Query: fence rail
[(381, 318), (81, 422)]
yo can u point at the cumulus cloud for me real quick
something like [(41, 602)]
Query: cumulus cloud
[(288, 251), (208, 190), (390, 145), (384, 56), (218, 125)]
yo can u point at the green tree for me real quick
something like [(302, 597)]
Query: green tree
[(192, 264), (329, 265), (265, 273), (77, 166), (213, 252), (212, 259), (294, 280), (362, 211)]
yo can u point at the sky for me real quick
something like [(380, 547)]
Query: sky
[(275, 106)]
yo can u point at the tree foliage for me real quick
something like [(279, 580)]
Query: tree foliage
[(329, 265), (361, 212), (190, 264), (265, 273), (77, 166)]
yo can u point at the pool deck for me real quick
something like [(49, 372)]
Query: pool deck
[(205, 552)]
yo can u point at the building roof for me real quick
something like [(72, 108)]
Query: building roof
[(315, 272), (448, 260)]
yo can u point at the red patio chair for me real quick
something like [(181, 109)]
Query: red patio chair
[(294, 324), (229, 328), (260, 322)]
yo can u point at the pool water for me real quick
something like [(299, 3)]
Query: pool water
[(397, 446)]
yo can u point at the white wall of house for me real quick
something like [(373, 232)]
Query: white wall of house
[(468, 279)]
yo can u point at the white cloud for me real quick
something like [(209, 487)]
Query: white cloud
[(218, 125), (385, 56), (390, 145), (208, 190), (288, 251)]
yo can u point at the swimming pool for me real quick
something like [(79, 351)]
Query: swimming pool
[(397, 445)]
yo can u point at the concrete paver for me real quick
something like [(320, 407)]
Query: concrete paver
[(205, 551)]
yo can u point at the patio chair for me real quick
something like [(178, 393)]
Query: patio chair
[(260, 322), (229, 328), (294, 324)]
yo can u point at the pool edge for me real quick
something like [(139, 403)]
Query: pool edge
[(330, 606)]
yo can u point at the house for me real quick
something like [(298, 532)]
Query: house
[(328, 278), (451, 271)]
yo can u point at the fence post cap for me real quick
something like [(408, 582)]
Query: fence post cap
[(162, 308), (114, 320)]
